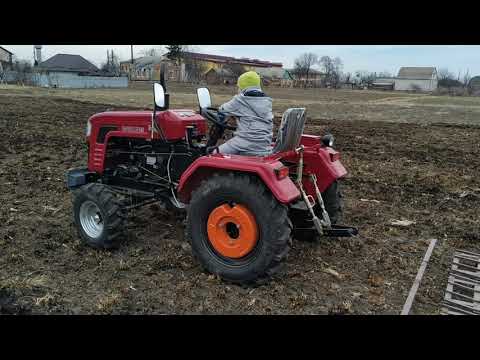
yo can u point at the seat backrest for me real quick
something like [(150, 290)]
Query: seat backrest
[(291, 130)]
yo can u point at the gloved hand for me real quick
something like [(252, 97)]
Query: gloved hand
[(221, 117), (211, 149)]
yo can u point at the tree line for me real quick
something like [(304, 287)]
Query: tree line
[(307, 65)]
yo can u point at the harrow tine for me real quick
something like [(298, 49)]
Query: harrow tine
[(463, 296), (463, 286), (461, 304), (467, 274), (468, 257), (467, 252), (464, 278), (459, 309), (468, 267)]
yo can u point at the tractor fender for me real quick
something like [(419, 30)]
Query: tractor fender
[(324, 162), (284, 190)]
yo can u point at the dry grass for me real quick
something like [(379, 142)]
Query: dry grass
[(320, 103), (106, 303), (24, 283)]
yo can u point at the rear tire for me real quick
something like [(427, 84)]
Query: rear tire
[(333, 201), (100, 217), (271, 218)]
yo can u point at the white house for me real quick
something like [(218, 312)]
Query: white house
[(416, 78)]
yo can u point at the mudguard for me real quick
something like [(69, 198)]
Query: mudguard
[(322, 161), (284, 190)]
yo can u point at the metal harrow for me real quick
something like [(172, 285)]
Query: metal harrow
[(462, 296)]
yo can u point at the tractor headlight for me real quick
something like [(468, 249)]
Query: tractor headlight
[(328, 140), (89, 128)]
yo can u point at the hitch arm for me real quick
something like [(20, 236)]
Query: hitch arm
[(306, 199)]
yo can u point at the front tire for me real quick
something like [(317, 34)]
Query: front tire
[(99, 216), (237, 229)]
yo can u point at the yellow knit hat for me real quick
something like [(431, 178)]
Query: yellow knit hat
[(250, 78)]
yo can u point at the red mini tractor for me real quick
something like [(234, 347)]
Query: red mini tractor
[(241, 211)]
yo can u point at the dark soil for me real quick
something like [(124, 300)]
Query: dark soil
[(428, 174)]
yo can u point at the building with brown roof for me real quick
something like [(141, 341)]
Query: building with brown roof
[(6, 58)]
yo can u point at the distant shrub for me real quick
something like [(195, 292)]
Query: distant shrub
[(416, 88)]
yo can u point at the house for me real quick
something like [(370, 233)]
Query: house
[(74, 71), (271, 73), (126, 66), (313, 75), (220, 76), (147, 68), (66, 63), (219, 61), (314, 78), (6, 58), (223, 65), (474, 85), (416, 78), (383, 84)]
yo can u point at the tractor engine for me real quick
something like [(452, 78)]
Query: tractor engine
[(147, 163)]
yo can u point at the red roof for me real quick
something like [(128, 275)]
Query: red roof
[(229, 59)]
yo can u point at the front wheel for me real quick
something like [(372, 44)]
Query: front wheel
[(99, 216), (237, 229)]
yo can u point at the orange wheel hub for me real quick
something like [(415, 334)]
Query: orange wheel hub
[(232, 231)]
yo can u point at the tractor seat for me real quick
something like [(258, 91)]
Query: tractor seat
[(290, 131)]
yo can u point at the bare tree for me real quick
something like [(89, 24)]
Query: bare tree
[(3, 74), (194, 69), (235, 69), (303, 65), (466, 79), (447, 79), (364, 78), (112, 66), (444, 74), (22, 71), (152, 52), (384, 74), (347, 79), (332, 68)]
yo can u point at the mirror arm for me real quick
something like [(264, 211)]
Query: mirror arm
[(167, 100)]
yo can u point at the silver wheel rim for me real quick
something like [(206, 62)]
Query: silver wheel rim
[(91, 219)]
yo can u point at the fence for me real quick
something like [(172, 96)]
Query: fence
[(72, 80)]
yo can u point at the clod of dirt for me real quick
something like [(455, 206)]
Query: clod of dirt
[(345, 307), (402, 222), (368, 200), (376, 280), (333, 272)]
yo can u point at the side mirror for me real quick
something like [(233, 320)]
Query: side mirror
[(159, 95), (204, 99)]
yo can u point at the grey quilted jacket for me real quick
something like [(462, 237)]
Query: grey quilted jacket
[(254, 125)]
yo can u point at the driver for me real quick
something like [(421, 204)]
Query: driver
[(253, 110)]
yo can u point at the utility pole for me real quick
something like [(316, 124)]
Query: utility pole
[(131, 65)]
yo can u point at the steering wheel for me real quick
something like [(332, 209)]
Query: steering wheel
[(212, 115)]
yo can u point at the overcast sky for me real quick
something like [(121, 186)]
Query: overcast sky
[(355, 57)]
